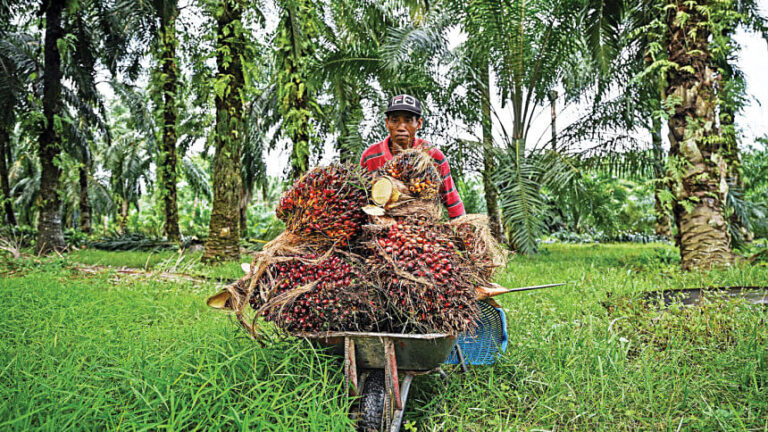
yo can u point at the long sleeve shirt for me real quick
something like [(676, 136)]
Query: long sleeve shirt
[(375, 156)]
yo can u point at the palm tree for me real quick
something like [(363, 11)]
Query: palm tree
[(17, 62), (49, 226), (732, 98), (5, 186), (489, 163), (24, 177), (472, 70), (531, 47), (128, 158), (167, 12), (224, 233), (154, 29), (647, 91), (294, 50), (253, 170), (84, 198), (696, 149), (354, 56), (93, 36)]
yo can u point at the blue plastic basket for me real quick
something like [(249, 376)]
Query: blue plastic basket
[(488, 341)]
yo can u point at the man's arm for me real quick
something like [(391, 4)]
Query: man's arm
[(448, 191)]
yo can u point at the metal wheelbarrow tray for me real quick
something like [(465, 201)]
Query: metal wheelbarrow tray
[(395, 354), (413, 352)]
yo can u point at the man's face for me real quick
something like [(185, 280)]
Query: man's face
[(402, 127)]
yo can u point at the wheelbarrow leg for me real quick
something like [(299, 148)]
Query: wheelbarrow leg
[(391, 372), (460, 356), (392, 402), (350, 367), (397, 419)]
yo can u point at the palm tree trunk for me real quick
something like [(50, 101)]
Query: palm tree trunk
[(5, 185), (85, 202), (50, 236), (224, 233), (167, 160), (663, 227), (552, 95), (295, 92), (123, 222), (299, 136), (699, 183), (489, 163)]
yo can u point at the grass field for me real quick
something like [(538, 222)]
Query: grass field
[(97, 351)]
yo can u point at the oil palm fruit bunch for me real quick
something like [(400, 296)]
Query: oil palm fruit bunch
[(416, 169), (424, 278), (327, 203), (313, 293)]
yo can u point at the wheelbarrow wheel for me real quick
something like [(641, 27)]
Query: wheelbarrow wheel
[(372, 402)]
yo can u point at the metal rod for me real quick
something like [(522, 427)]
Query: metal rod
[(397, 419), (535, 287), (462, 360)]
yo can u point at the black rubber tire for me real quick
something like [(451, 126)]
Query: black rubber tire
[(372, 402)]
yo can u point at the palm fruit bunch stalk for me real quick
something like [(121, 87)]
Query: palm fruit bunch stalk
[(406, 186), (428, 284), (415, 168), (473, 237), (326, 203), (315, 293)]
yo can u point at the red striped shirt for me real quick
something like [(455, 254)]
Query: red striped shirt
[(375, 156)]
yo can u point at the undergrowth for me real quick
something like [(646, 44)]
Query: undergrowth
[(91, 352)]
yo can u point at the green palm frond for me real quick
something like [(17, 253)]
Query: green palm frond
[(17, 63), (751, 215), (196, 178), (520, 200), (140, 118), (25, 183), (401, 43), (603, 34), (101, 196)]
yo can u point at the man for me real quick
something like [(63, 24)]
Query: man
[(403, 119)]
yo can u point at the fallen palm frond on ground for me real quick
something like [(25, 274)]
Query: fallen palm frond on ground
[(134, 272)]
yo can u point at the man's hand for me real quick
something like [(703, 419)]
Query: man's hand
[(459, 218), (394, 148)]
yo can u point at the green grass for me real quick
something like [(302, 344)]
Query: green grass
[(170, 261), (80, 353), (83, 352)]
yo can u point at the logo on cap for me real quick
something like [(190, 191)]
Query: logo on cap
[(404, 103), (404, 100)]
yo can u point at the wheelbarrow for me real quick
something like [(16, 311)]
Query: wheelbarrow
[(380, 367)]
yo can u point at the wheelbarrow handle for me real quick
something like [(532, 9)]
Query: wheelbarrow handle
[(494, 290), (535, 287)]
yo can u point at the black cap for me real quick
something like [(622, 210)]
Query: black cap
[(404, 102)]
